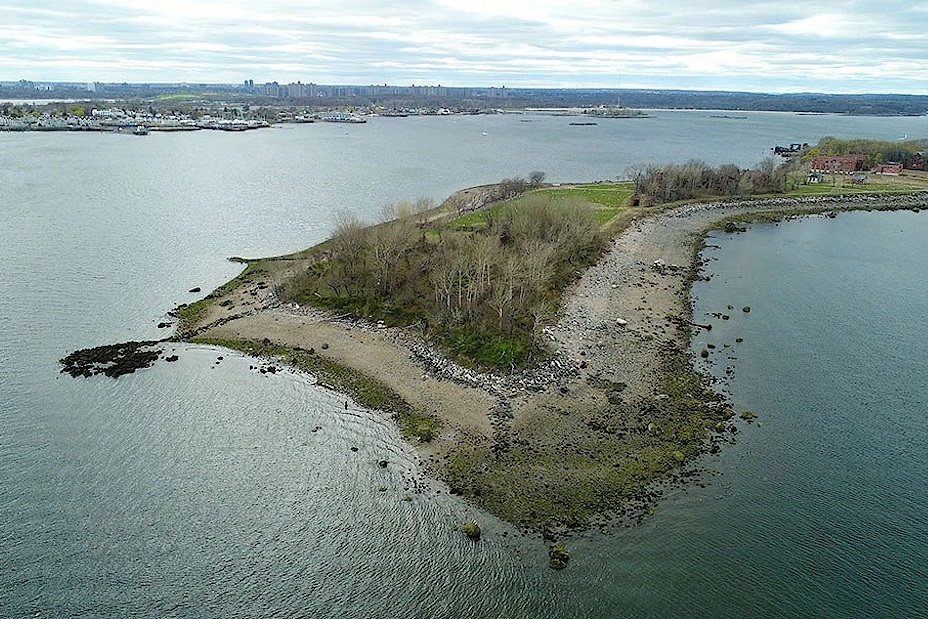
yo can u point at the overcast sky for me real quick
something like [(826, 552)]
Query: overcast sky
[(786, 46)]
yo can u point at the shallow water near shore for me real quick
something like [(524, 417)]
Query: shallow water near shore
[(828, 495), (209, 489)]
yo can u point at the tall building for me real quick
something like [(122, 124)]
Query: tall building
[(271, 89)]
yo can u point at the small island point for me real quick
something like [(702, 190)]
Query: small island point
[(574, 425)]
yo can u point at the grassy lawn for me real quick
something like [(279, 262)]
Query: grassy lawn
[(606, 199), (479, 218), (840, 184)]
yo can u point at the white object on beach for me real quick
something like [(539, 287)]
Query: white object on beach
[(621, 322)]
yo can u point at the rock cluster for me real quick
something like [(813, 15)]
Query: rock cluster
[(558, 557), (112, 359)]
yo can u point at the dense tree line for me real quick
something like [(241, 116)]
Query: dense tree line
[(696, 179), (483, 293)]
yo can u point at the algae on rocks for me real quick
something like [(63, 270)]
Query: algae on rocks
[(558, 557), (471, 530)]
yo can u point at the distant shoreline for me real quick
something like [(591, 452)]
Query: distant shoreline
[(618, 382)]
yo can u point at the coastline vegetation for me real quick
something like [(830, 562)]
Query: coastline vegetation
[(696, 179), (189, 315), (566, 478), (480, 285)]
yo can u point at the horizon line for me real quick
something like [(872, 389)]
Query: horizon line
[(241, 84)]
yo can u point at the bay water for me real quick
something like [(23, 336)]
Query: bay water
[(206, 489)]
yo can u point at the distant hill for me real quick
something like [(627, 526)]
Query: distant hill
[(866, 104)]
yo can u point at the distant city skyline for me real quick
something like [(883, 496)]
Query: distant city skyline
[(777, 47)]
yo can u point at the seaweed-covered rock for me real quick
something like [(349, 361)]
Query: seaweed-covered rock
[(471, 530), (112, 359), (558, 557)]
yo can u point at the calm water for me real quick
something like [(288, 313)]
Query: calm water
[(830, 495), (201, 488)]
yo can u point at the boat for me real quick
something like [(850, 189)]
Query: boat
[(341, 117), (793, 150), (140, 130)]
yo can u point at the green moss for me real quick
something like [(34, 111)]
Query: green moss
[(190, 316), (541, 485), (471, 530)]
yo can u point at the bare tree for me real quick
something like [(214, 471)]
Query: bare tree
[(501, 295), (511, 187), (728, 177), (349, 244), (387, 213), (390, 245)]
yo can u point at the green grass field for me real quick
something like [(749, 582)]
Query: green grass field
[(606, 199), (842, 184)]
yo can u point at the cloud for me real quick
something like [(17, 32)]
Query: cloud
[(772, 46)]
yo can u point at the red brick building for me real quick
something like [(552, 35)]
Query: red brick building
[(889, 169), (840, 164)]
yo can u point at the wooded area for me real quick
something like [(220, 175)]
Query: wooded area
[(482, 293), (696, 179)]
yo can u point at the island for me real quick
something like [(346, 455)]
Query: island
[(531, 339)]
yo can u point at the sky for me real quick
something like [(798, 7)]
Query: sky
[(786, 46)]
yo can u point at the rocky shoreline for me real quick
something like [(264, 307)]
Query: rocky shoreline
[(616, 407)]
